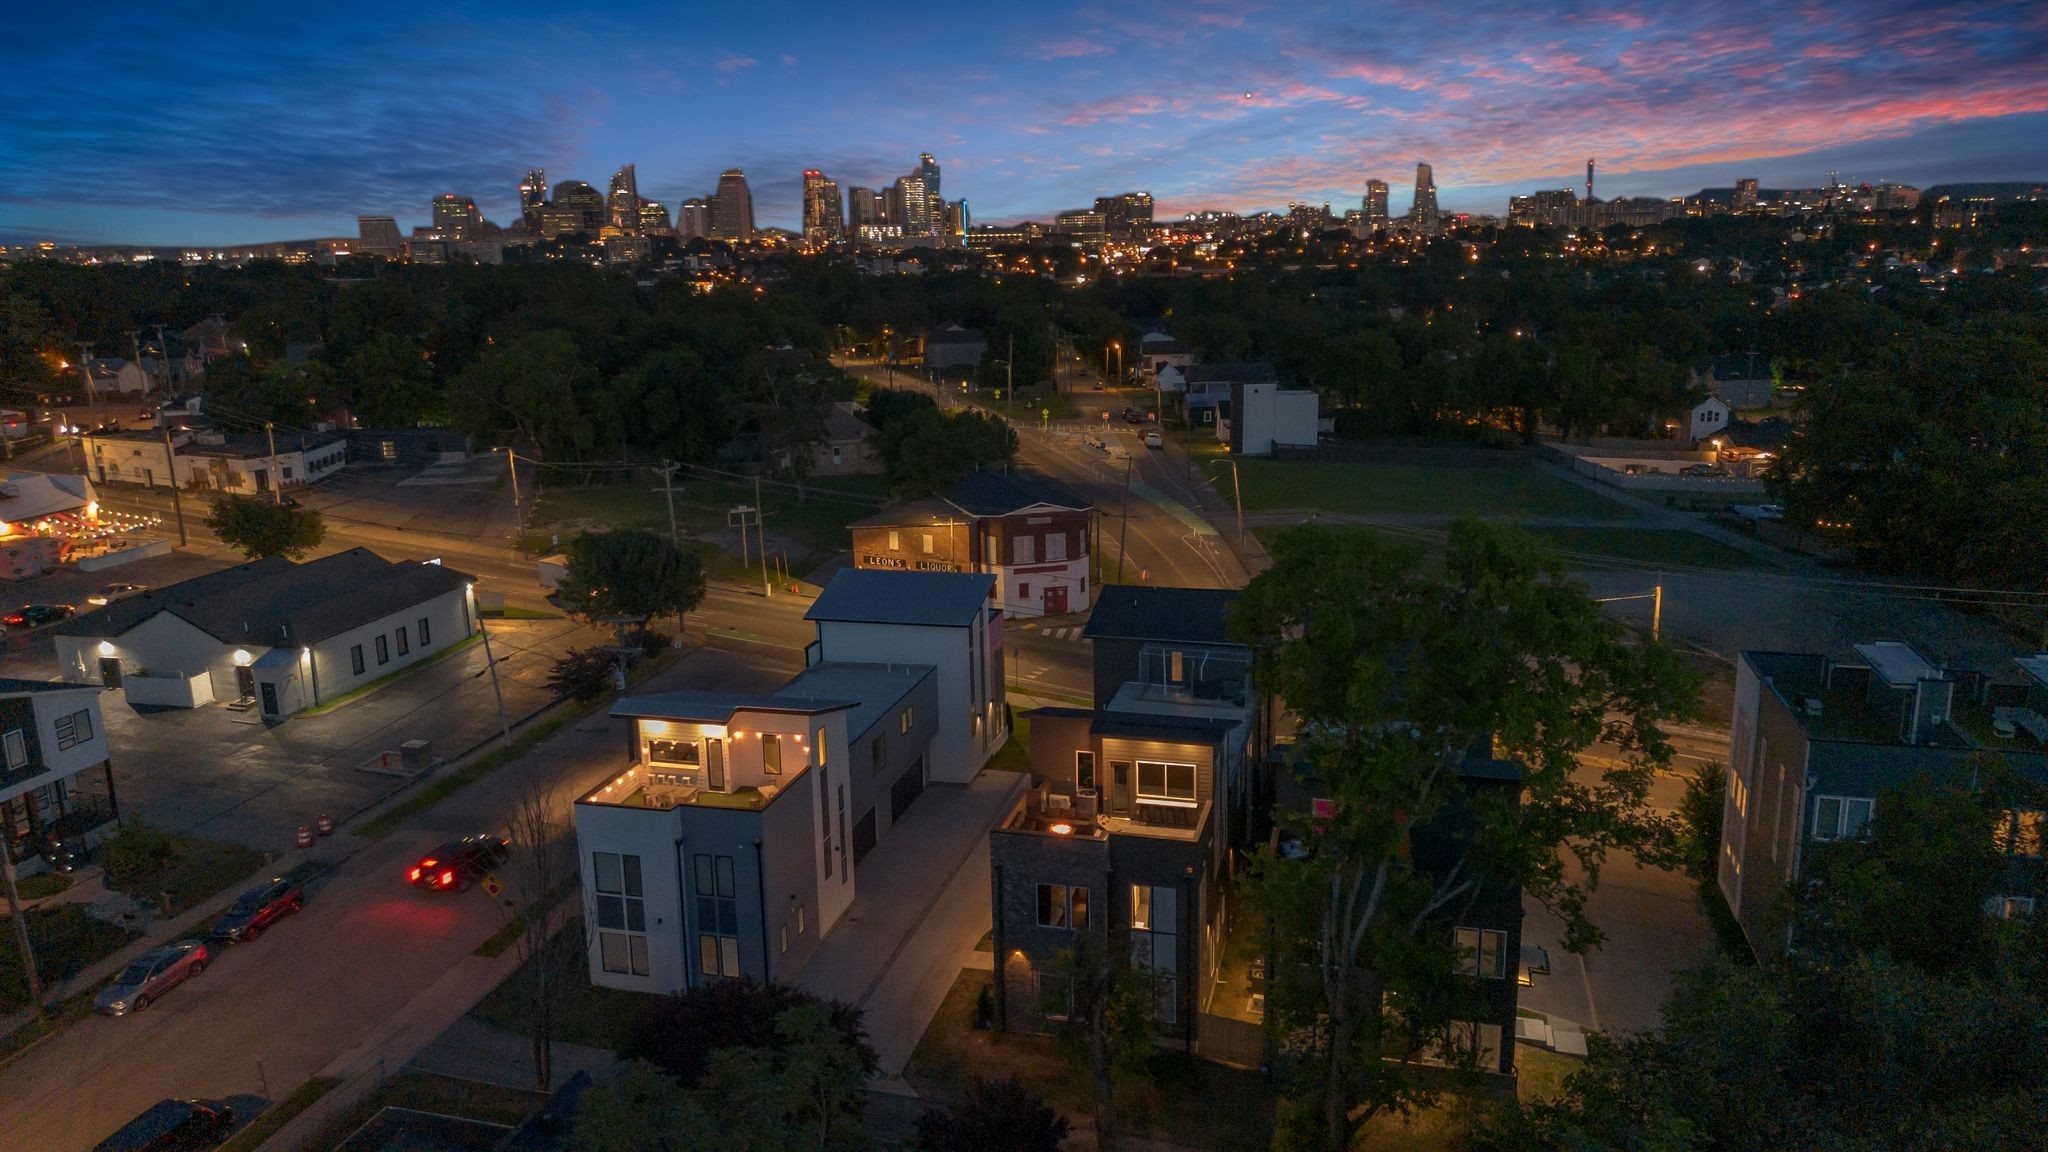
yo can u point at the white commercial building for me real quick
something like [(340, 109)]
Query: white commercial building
[(280, 636), (214, 460), (1264, 416)]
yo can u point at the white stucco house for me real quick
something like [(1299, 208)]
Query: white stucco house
[(282, 637), (1709, 419)]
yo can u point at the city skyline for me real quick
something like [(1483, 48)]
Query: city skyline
[(225, 132)]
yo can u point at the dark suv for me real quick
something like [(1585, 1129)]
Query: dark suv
[(173, 1126), (454, 866)]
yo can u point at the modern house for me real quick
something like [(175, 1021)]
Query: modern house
[(1264, 416), (948, 621), (204, 458), (1135, 806), (1206, 388), (270, 634), (1815, 741), (1032, 533), (51, 734), (731, 842)]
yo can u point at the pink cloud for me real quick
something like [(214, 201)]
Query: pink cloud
[(1070, 48)]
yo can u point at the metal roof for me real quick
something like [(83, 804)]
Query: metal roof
[(876, 689), (1139, 612), (932, 599), (1897, 663)]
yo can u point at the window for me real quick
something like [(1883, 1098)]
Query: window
[(821, 746), (1740, 792), (895, 542), (684, 753), (621, 913), (73, 730), (825, 819), (287, 471), (1155, 944), (1056, 546), (1062, 906), (799, 919), (771, 753), (1084, 773), (383, 650), (904, 721), (404, 641), (1482, 1041), (2009, 907), (2024, 832), (718, 916), (927, 540), (878, 754), (1023, 591), (1055, 995), (17, 749), (1170, 782), (1482, 952), (1839, 817), (426, 636), (355, 658), (1023, 549), (1176, 668)]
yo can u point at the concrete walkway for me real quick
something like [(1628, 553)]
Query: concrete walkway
[(473, 1050), (922, 904)]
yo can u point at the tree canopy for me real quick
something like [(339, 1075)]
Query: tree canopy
[(261, 527), (631, 572)]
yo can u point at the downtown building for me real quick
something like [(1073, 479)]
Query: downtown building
[(824, 221), (732, 207), (1423, 215)]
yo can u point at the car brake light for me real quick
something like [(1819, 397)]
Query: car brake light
[(447, 878), (415, 873)]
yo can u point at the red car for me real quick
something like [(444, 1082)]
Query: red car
[(456, 865)]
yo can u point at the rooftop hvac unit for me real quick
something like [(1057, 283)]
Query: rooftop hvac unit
[(1813, 706)]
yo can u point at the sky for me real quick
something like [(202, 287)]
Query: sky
[(224, 123)]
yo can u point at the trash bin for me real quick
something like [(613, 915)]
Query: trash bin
[(414, 754)]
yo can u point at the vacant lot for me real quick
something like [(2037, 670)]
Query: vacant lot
[(1640, 548), (1369, 489), (816, 524)]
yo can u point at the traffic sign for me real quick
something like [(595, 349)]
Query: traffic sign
[(491, 886)]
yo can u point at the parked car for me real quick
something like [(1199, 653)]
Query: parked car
[(1153, 440), (259, 908), (113, 592), (152, 974), (32, 615), (456, 865), (1133, 416), (173, 1125), (1714, 470)]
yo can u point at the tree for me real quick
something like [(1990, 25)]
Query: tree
[(1699, 815), (642, 1109), (552, 962), (926, 450), (584, 673), (993, 1116), (1397, 676), (262, 528), (679, 1034), (1113, 1012), (631, 572), (390, 384)]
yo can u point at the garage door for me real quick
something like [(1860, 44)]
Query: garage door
[(906, 790)]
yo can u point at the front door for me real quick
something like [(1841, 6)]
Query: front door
[(110, 671), (245, 682), (1120, 787), (269, 698), (714, 763), (1055, 599)]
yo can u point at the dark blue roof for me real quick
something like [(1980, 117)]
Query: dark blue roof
[(1150, 724), (934, 599), (1138, 612)]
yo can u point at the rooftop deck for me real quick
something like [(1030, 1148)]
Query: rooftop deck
[(1078, 817), (639, 787)]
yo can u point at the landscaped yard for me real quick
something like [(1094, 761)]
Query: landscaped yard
[(1188, 1101), (173, 871), (1366, 489), (65, 941), (438, 1096), (589, 1015)]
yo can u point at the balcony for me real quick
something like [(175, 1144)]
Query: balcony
[(642, 787), (1078, 817), (1205, 677)]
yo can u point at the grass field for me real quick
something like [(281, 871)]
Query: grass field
[(1366, 489), (817, 524)]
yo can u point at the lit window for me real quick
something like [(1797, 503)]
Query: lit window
[(1482, 952), (1169, 782)]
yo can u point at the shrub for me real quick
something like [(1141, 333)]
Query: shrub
[(136, 852), (651, 641), (995, 1116), (1699, 814), (680, 1033), (585, 674)]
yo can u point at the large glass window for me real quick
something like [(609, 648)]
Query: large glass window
[(2023, 832), (1839, 817), (404, 641), (1155, 944), (426, 634), (1482, 952), (1166, 781), (718, 916), (679, 753), (1062, 906), (621, 913), (771, 753), (1084, 773), (17, 749)]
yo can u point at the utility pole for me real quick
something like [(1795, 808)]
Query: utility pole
[(163, 358), (92, 405), (177, 499), (28, 953), (741, 513), (1125, 526), (1010, 376), (276, 481), (518, 505), (761, 538), (668, 489), (491, 662), (1237, 494), (135, 346), (1657, 608)]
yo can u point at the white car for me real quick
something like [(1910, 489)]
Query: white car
[(113, 592), (1152, 439)]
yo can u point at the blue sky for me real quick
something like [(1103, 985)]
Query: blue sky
[(222, 123)]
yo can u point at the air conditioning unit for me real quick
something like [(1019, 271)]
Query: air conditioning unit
[(1813, 706)]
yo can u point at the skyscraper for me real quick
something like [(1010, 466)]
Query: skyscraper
[(1375, 206), (693, 219), (1126, 214), (653, 218), (863, 214), (934, 203), (624, 201), (587, 203), (823, 221), (1745, 194), (732, 207), (456, 217), (533, 195), (1423, 213), (378, 236), (916, 218)]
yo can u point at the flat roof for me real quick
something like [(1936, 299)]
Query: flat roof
[(1896, 663), (876, 689), (934, 599), (1139, 612), (718, 707)]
